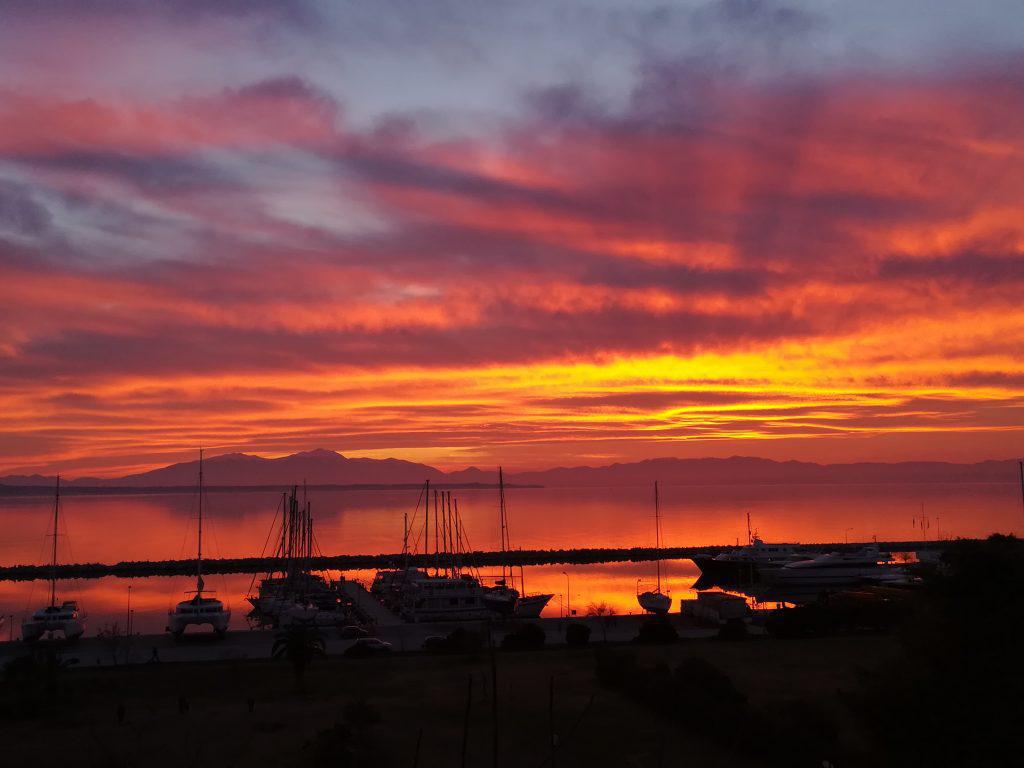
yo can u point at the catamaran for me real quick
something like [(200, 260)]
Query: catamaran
[(655, 600), (199, 609), (63, 617)]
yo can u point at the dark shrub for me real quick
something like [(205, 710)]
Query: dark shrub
[(528, 637), (797, 733), (958, 677), (577, 634), (706, 697), (733, 629), (657, 631), (463, 640)]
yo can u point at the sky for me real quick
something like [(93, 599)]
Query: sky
[(530, 233)]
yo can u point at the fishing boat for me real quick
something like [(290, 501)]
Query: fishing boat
[(59, 616), (200, 609), (656, 601)]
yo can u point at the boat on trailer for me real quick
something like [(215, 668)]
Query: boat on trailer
[(59, 616), (656, 601), (200, 609)]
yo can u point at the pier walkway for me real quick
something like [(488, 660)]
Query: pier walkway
[(370, 606)]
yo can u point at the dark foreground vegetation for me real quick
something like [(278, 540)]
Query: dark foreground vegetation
[(944, 689)]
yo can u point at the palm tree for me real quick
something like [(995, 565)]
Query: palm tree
[(300, 643)]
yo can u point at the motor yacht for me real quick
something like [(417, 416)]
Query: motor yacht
[(836, 569)]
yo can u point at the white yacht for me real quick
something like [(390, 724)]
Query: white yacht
[(59, 616), (656, 601), (443, 598), (199, 609), (837, 569), (748, 561)]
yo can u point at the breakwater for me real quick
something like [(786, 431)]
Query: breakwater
[(139, 568)]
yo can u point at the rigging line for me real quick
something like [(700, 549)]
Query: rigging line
[(270, 531), (416, 512)]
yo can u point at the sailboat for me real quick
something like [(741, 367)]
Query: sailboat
[(64, 617), (504, 598), (655, 600), (199, 609), (293, 592)]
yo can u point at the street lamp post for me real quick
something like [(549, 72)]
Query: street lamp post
[(568, 596), (847, 534), (128, 625)]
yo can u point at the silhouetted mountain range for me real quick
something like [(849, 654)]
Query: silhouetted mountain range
[(323, 467)]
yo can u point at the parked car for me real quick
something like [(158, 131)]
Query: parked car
[(435, 643), (368, 646), (352, 632)]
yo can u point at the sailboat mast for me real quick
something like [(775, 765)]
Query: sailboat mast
[(436, 556), (53, 557), (504, 523), (657, 531), (199, 554)]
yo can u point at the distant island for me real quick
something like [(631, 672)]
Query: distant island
[(329, 469)]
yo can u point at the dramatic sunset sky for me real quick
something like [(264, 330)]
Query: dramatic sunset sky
[(532, 232)]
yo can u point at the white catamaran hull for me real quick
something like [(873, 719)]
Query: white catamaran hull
[(33, 629)]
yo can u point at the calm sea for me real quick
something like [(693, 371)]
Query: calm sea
[(155, 527)]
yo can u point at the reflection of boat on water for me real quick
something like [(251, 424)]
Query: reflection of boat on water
[(503, 598), (199, 609), (293, 592), (63, 617), (836, 569), (655, 601)]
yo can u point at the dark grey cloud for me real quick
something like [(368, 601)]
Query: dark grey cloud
[(153, 173), (969, 268), (20, 213)]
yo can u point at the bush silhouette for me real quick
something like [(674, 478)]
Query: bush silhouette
[(656, 631), (528, 637), (577, 634)]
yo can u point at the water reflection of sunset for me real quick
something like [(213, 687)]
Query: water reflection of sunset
[(154, 527)]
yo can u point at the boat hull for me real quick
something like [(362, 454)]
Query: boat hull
[(654, 602), (531, 606), (33, 630)]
